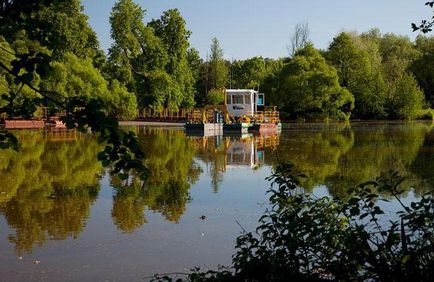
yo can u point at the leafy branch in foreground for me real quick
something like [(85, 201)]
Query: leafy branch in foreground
[(305, 238), (426, 25), (122, 151)]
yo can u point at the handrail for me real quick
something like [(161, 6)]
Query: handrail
[(206, 115)]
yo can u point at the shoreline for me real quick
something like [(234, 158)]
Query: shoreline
[(152, 124)]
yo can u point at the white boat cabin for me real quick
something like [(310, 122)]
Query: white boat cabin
[(244, 102)]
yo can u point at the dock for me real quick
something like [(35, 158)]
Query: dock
[(23, 124), (204, 129), (237, 128)]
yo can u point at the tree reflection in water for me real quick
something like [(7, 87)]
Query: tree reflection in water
[(49, 186), (172, 170)]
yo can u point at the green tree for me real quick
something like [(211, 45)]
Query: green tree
[(423, 67), (248, 73), (60, 26), (74, 77), (218, 71), (137, 55), (397, 54), (196, 65), (358, 75), (171, 29), (309, 88), (216, 97), (151, 59), (269, 85), (405, 99), (125, 103)]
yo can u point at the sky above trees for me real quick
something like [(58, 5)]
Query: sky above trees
[(248, 28)]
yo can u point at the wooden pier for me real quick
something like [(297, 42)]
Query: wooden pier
[(23, 124)]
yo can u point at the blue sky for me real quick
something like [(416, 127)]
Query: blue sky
[(248, 28)]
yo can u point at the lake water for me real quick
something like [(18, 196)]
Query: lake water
[(63, 218)]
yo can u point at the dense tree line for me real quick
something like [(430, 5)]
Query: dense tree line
[(386, 76), (152, 64)]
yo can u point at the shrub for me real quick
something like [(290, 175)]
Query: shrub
[(305, 238)]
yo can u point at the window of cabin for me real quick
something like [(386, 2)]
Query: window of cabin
[(261, 99), (248, 100), (229, 99), (237, 99)]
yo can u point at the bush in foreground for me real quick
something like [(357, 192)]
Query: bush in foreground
[(305, 238)]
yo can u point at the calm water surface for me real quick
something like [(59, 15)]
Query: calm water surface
[(63, 218)]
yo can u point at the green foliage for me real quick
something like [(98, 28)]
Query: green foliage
[(216, 97), (151, 60), (405, 98), (397, 53), (60, 26), (172, 30), (248, 74), (309, 88), (125, 102), (375, 69), (350, 62), (218, 71), (357, 73), (423, 67), (269, 85), (74, 77), (305, 238), (197, 67), (136, 50)]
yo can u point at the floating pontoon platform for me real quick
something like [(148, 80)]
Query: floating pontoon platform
[(204, 129), (237, 128), (262, 127)]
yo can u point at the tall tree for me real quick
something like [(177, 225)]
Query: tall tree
[(137, 56), (171, 29), (423, 67), (358, 74), (218, 70), (198, 68), (270, 84), (397, 54)]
